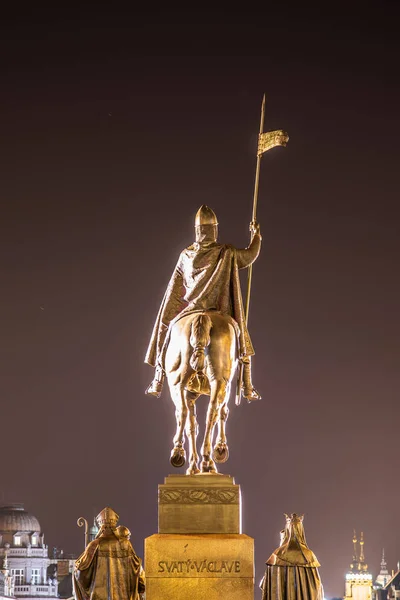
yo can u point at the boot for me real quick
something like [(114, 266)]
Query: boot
[(156, 386), (248, 390)]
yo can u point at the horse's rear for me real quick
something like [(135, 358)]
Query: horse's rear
[(201, 359)]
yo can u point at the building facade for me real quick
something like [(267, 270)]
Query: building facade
[(358, 578), (391, 590), (5, 587), (25, 556), (384, 575)]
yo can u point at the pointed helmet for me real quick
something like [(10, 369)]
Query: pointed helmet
[(107, 516), (205, 216)]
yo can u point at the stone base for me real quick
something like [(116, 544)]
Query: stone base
[(205, 503), (199, 567)]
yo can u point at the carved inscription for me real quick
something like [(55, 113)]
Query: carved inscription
[(198, 496), (198, 566)]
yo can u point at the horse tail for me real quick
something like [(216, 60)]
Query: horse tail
[(199, 340)]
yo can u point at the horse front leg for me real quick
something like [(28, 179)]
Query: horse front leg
[(221, 450), (192, 430), (178, 455)]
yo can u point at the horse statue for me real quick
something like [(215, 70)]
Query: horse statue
[(200, 336), (201, 358)]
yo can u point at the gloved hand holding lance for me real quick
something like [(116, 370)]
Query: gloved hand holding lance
[(266, 141)]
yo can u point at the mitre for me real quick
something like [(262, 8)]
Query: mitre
[(107, 516)]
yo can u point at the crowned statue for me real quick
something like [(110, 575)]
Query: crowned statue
[(109, 568), (292, 569)]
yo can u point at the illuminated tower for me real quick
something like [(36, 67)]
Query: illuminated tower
[(358, 579), (93, 531), (384, 574)]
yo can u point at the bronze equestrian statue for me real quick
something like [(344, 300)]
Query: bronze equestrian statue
[(200, 338)]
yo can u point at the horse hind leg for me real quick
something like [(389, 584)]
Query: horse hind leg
[(221, 450), (178, 455), (192, 430), (208, 464), (217, 398)]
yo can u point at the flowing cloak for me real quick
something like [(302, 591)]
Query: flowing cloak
[(206, 277), (108, 569), (292, 570)]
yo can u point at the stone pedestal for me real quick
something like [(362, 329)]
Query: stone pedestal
[(199, 567), (199, 552), (209, 503)]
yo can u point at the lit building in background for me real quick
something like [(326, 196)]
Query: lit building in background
[(27, 570), (6, 581), (384, 574), (65, 565), (6, 591), (391, 590), (358, 579)]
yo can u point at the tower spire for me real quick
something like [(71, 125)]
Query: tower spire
[(362, 564), (355, 556), (362, 557), (383, 561), (358, 580), (383, 576)]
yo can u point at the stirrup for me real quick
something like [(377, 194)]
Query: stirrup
[(155, 388), (251, 394)]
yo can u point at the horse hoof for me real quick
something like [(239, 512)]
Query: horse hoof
[(178, 457), (193, 470), (220, 453), (208, 466)]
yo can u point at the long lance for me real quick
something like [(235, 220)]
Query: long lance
[(250, 272), (266, 141)]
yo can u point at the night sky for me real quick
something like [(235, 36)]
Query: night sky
[(115, 128)]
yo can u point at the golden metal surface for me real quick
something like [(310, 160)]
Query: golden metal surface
[(271, 139), (199, 567), (208, 503), (107, 516), (293, 550), (199, 336), (82, 522), (266, 141), (109, 568), (205, 216), (292, 569)]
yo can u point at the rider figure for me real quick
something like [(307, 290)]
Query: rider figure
[(206, 278)]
